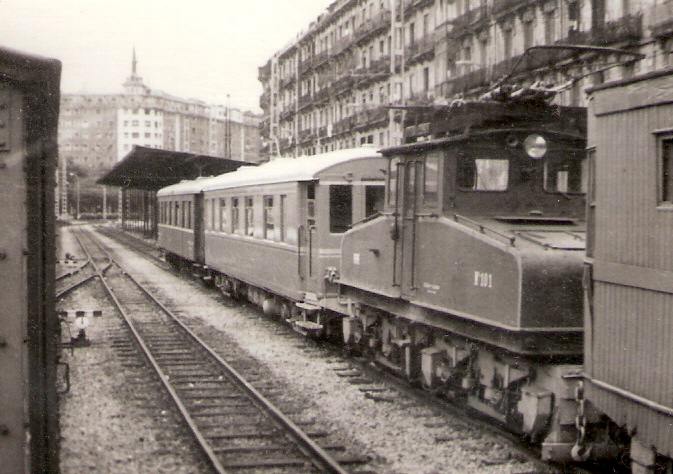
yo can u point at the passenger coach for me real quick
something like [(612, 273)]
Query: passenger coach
[(272, 234), (629, 310)]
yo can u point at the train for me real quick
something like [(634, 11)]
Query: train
[(455, 262), (629, 265), (29, 342), (514, 260)]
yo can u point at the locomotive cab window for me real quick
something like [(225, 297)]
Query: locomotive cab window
[(340, 208), (567, 174), (431, 180), (482, 174), (393, 171), (373, 199)]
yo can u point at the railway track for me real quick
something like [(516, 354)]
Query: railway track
[(79, 270), (383, 387), (236, 426)]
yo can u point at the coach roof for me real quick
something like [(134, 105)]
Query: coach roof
[(282, 170)]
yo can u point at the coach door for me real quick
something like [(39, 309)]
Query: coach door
[(408, 179), (306, 240)]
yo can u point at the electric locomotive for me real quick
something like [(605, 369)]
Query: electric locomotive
[(470, 282), (29, 107)]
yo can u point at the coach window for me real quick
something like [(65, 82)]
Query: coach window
[(224, 224), (482, 174), (249, 217), (268, 218), (235, 216), (176, 209), (340, 208), (188, 220), (431, 179), (666, 171), (209, 215), (283, 213)]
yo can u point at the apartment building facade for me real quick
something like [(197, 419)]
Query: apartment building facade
[(97, 130), (361, 69)]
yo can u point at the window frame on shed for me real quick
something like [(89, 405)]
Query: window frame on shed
[(664, 168)]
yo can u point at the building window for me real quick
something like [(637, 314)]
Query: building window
[(550, 27), (340, 208), (268, 218), (528, 31), (249, 217)]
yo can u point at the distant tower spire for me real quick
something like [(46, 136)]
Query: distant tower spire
[(134, 83)]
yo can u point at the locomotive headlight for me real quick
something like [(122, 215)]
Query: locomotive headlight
[(535, 146)]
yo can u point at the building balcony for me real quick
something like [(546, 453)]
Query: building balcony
[(305, 100), (306, 136), (426, 97), (305, 65), (286, 114), (371, 118), (343, 84), (344, 125), (411, 6), (264, 72), (470, 21), (322, 96), (320, 58), (372, 27), (423, 49), (286, 81), (502, 7), (628, 29), (342, 45), (661, 24), (264, 100)]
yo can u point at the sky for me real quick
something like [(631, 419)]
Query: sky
[(201, 49)]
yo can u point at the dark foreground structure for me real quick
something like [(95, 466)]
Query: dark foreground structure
[(29, 107), (629, 311)]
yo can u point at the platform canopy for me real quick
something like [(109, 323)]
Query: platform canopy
[(151, 169)]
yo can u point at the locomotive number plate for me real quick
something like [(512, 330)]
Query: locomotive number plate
[(483, 280)]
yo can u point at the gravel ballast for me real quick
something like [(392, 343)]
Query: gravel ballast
[(104, 429)]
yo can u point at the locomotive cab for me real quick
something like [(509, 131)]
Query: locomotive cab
[(470, 281)]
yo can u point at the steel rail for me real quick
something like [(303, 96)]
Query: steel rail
[(74, 286), (205, 446), (324, 461)]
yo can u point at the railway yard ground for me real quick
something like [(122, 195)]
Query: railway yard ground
[(117, 418)]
